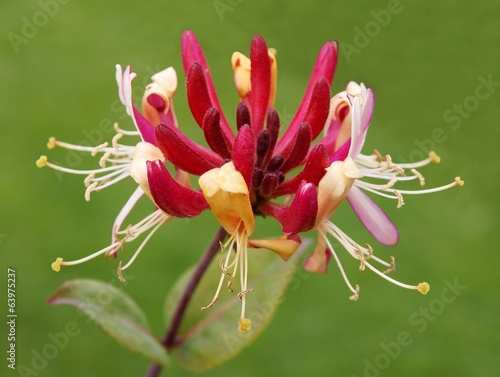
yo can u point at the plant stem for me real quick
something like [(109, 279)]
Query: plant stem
[(170, 339)]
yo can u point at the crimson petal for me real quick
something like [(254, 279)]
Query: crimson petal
[(213, 133), (170, 196), (300, 148), (300, 216), (324, 67), (184, 153), (260, 80), (192, 53), (313, 171), (244, 153)]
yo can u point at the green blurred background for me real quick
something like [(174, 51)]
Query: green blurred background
[(428, 58)]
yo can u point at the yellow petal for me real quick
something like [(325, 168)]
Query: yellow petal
[(283, 247), (227, 195), (317, 261), (241, 67)]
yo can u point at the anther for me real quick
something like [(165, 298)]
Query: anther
[(115, 139), (400, 198), (389, 184), (56, 266), (378, 156), (419, 176), (211, 304), (459, 181), (41, 162), (434, 157), (222, 268), (98, 148), (244, 325), (392, 263), (355, 296), (119, 272), (89, 190), (230, 284), (104, 158), (243, 293), (423, 288), (52, 143), (88, 180)]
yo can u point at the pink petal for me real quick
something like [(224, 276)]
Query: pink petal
[(372, 217), (319, 106), (184, 153), (197, 93), (361, 117), (170, 196)]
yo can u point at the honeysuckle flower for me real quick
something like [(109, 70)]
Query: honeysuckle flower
[(249, 170), (350, 115)]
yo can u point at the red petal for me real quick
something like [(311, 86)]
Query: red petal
[(197, 93), (184, 153), (317, 112), (326, 63), (313, 171), (300, 148), (192, 53), (300, 216), (260, 79), (170, 196), (213, 133), (244, 153), (146, 129)]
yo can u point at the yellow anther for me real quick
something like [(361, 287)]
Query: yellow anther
[(423, 288), (434, 157), (244, 325), (56, 266), (51, 144), (119, 272), (41, 162), (391, 266), (459, 181)]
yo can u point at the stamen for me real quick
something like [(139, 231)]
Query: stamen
[(243, 293), (51, 144), (89, 190), (98, 148), (400, 198), (355, 296), (419, 176), (41, 162), (115, 139), (244, 325), (391, 267), (104, 158)]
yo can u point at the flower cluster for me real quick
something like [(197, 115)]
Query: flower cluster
[(313, 166)]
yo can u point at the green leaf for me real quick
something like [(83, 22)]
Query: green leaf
[(115, 313), (211, 337)]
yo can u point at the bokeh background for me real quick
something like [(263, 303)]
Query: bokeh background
[(424, 64)]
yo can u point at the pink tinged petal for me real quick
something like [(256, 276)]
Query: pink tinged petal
[(284, 246), (273, 128), (361, 117), (213, 133), (244, 153), (300, 215), (170, 196), (124, 80), (326, 63), (184, 153), (197, 93), (373, 218), (260, 79), (313, 171), (300, 148), (192, 53), (318, 260), (342, 153)]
